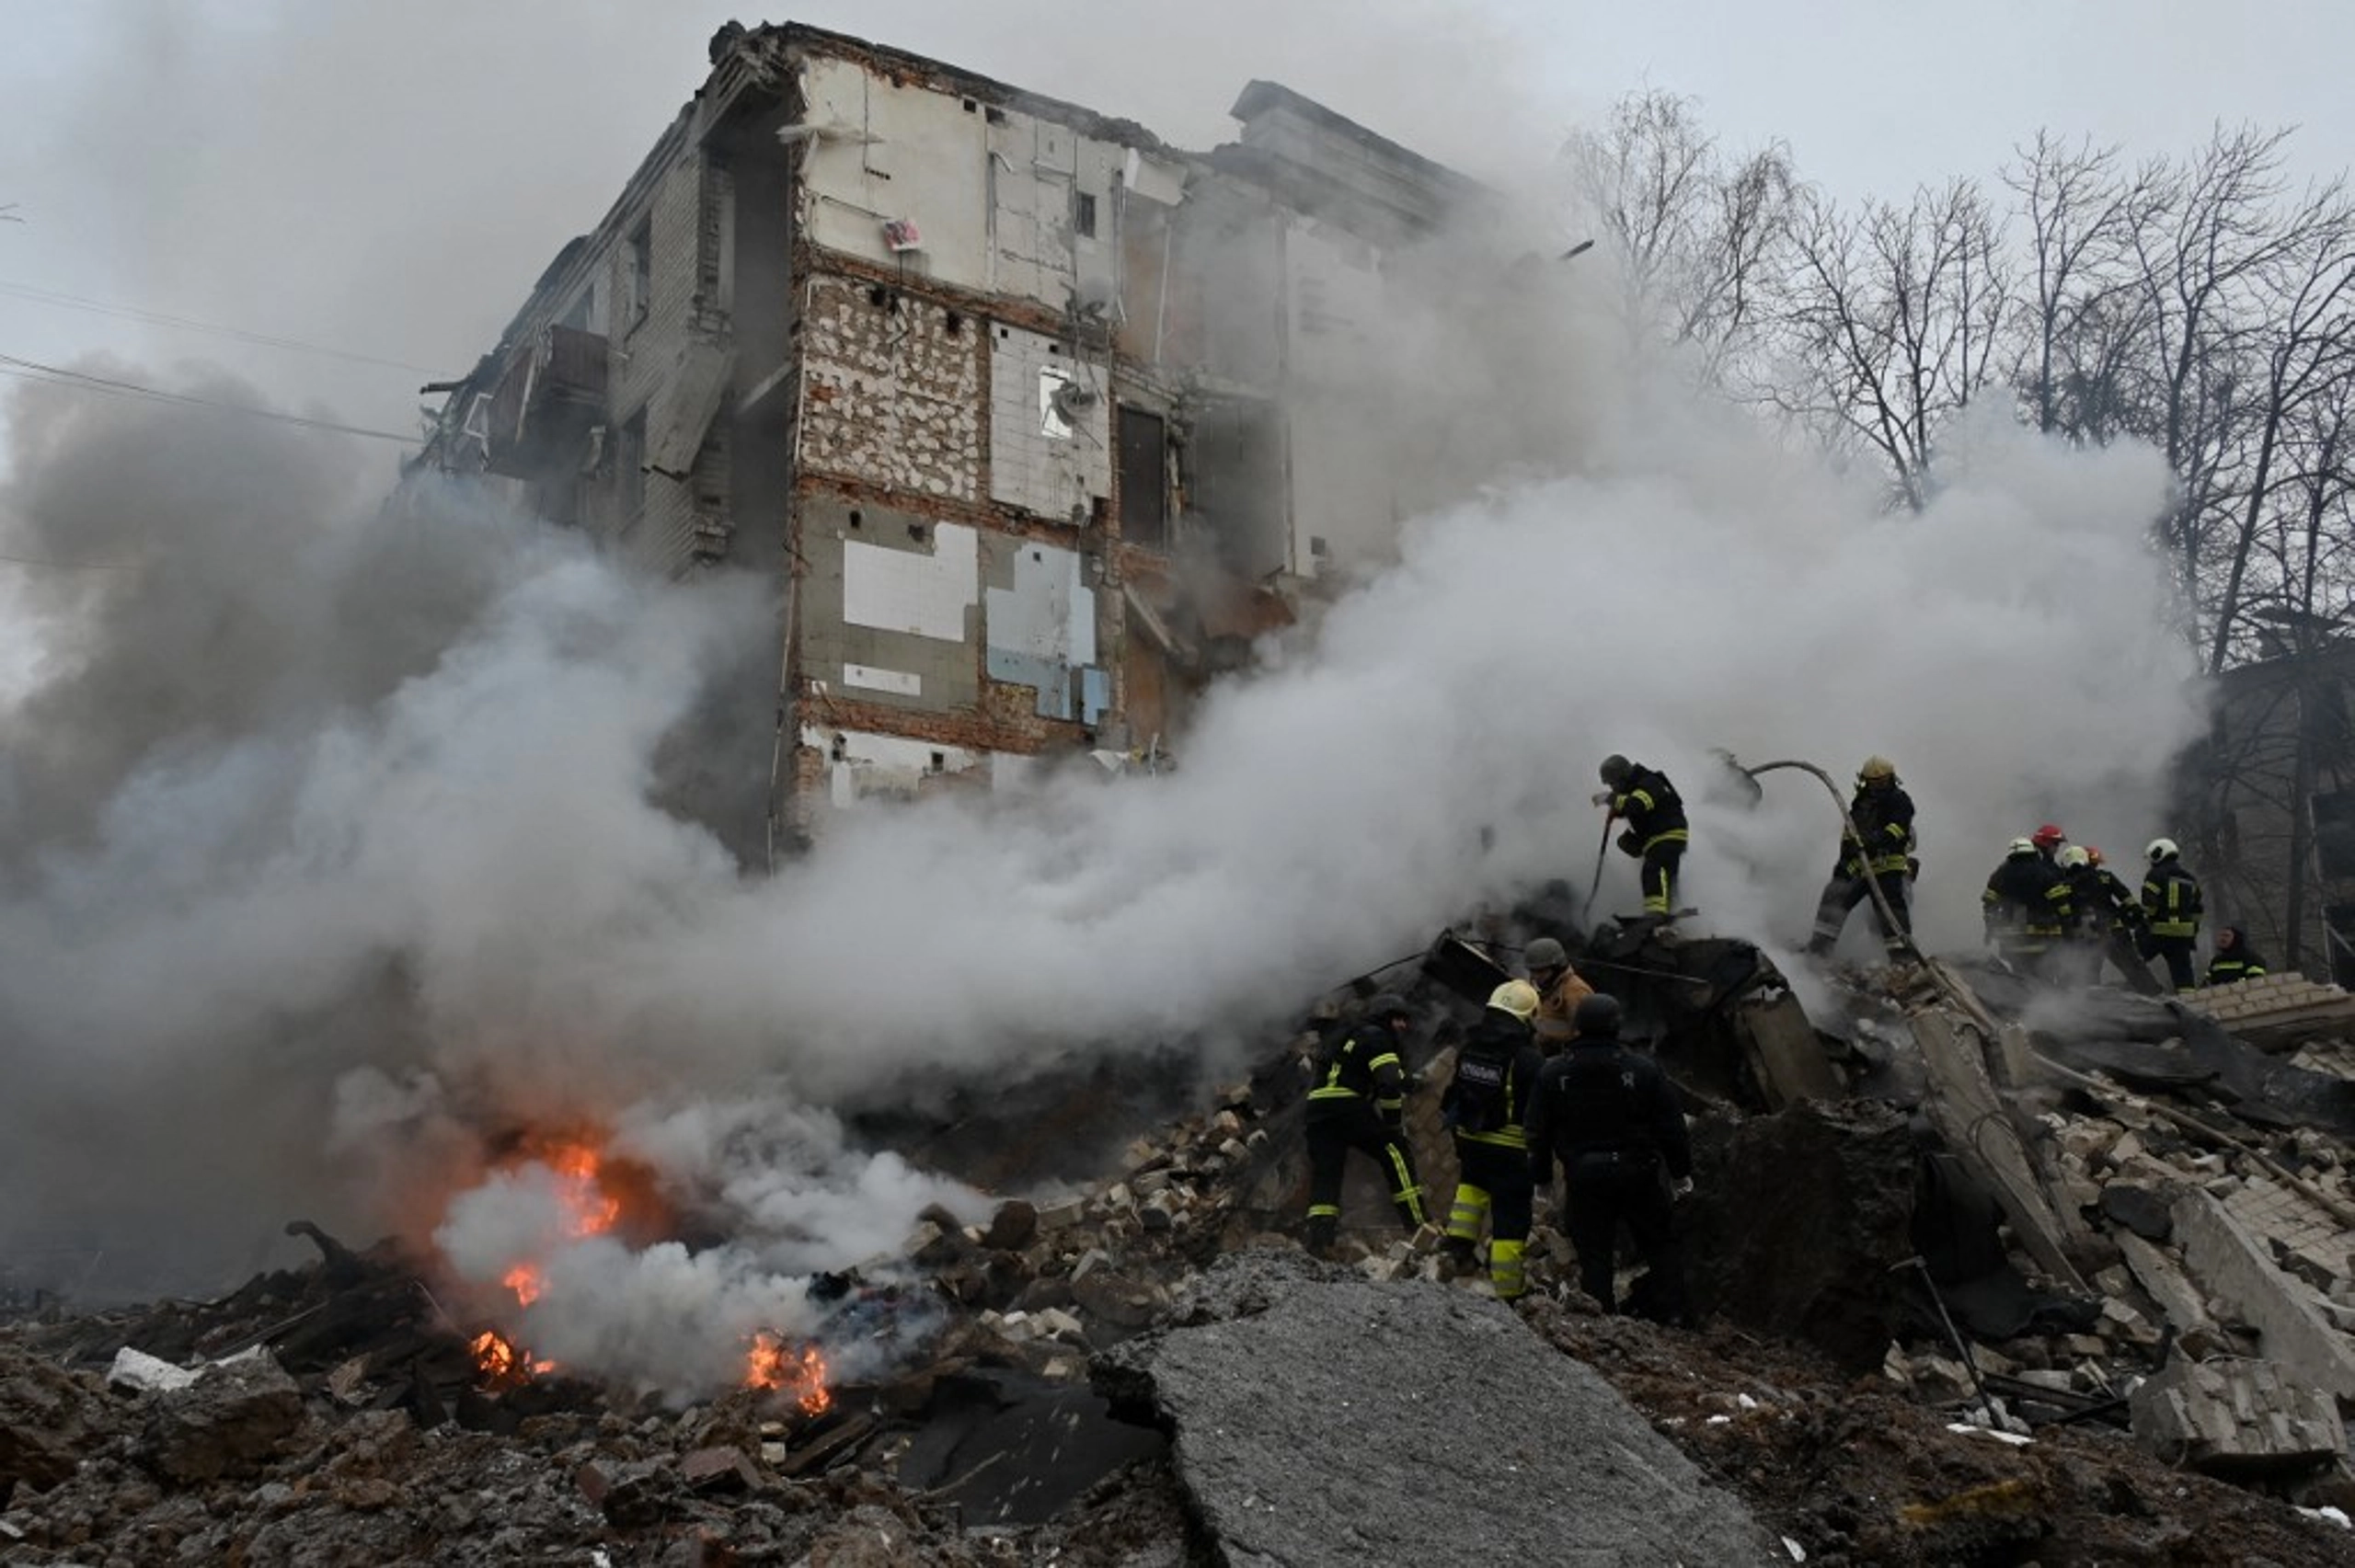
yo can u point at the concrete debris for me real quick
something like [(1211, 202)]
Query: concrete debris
[(2237, 1419), (2278, 1012), (1287, 1389), (138, 1372), (2240, 1276)]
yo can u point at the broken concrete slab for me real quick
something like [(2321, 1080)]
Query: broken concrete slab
[(233, 1418), (2237, 1271), (1786, 1057), (2237, 1419), (2165, 1283), (1289, 1387), (1965, 1107)]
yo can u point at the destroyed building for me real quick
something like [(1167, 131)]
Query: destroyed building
[(2276, 780), (1037, 420)]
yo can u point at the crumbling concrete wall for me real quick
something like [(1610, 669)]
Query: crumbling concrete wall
[(1051, 441)]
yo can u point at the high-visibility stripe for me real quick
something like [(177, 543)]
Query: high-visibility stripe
[(1390, 1056), (1670, 836), (1465, 1214), (1506, 1138), (1323, 1211), (1505, 1274), (1404, 1190), (1330, 1093)]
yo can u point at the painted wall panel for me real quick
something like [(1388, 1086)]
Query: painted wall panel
[(925, 595), (1049, 427)]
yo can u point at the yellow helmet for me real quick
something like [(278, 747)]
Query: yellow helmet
[(1875, 770), (1516, 997)]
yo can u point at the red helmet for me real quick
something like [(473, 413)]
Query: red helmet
[(2093, 855), (2048, 836)]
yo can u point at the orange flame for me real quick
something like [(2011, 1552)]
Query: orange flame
[(590, 1209), (799, 1374), (501, 1364), (526, 1282)]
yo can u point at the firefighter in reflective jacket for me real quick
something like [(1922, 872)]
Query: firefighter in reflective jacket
[(1359, 1101), (1609, 1117), (1643, 799), (1487, 1105), (2234, 959), (2171, 911), (2026, 907), (1883, 813)]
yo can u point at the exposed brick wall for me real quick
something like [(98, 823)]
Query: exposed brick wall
[(891, 392)]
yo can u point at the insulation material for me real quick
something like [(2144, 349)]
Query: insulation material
[(925, 595), (877, 152), (865, 766), (867, 677), (1153, 180), (1043, 629), (1049, 427)]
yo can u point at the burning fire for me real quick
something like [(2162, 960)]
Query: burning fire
[(799, 1374), (525, 1281), (501, 1364)]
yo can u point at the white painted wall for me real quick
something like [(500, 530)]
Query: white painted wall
[(1053, 463), (909, 591)]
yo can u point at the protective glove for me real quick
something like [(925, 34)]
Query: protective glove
[(1683, 1188), (1602, 797)]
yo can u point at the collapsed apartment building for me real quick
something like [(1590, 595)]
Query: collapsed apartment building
[(1037, 419)]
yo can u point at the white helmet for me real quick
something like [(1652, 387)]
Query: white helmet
[(2075, 856), (2020, 847), (2161, 848)]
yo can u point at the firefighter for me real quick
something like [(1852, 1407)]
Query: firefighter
[(2235, 958), (1559, 992), (1643, 799), (2026, 908), (2093, 915), (1609, 1117), (1883, 814), (2048, 840), (1487, 1105), (2121, 937), (1360, 1102), (2171, 911)]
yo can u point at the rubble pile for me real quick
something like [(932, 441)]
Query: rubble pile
[(1985, 1282)]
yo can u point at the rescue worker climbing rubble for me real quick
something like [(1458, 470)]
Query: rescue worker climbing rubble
[(1656, 831), (1610, 1119), (1883, 814), (2025, 907), (2171, 911), (1359, 1101), (1559, 992), (1487, 1107), (2235, 958)]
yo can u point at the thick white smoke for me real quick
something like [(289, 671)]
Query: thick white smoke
[(422, 886)]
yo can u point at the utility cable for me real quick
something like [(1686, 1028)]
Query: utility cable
[(82, 381), (189, 324)]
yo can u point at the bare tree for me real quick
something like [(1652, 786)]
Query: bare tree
[(1893, 322), (1699, 237), (2080, 309)]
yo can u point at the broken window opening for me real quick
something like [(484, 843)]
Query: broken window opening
[(630, 465), (1085, 220), (1144, 479)]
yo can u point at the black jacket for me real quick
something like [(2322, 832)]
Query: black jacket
[(1488, 1095), (1602, 1097), (1365, 1064), (2027, 894), (1649, 805), (2239, 962), (1885, 817), (2171, 901)]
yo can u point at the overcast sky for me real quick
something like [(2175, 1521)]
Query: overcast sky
[(387, 176)]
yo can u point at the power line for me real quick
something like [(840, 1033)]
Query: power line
[(189, 324), (81, 381)]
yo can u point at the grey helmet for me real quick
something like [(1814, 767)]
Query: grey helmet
[(1387, 1005), (1614, 770), (1545, 954)]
